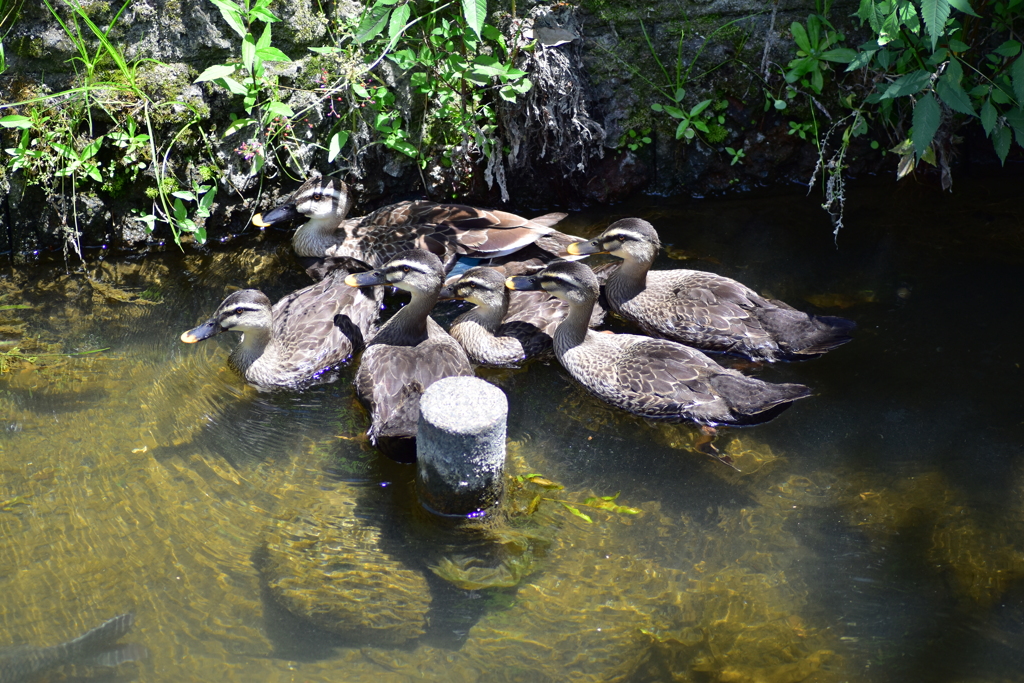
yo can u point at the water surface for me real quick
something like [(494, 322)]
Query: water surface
[(874, 532)]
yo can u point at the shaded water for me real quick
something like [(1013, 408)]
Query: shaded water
[(874, 532)]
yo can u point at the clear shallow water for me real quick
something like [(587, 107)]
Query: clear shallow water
[(873, 534)]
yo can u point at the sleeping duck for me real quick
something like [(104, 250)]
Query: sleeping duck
[(702, 309), (652, 378)]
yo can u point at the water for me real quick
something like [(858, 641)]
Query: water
[(874, 532)]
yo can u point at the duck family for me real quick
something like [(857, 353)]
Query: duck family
[(530, 294)]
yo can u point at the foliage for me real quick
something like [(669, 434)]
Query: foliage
[(58, 143), (605, 503)]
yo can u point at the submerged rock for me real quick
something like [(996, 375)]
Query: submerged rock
[(325, 564)]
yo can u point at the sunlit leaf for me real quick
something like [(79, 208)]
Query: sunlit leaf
[(249, 51), (272, 54), (216, 71), (475, 11), (16, 121), (576, 511), (396, 25), (232, 14), (373, 22), (337, 141)]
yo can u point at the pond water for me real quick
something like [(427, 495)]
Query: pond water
[(874, 532)]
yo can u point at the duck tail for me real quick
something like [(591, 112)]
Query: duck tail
[(803, 335), (753, 401)]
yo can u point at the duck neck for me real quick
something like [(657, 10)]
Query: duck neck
[(573, 330), (628, 280), (408, 327), (487, 317), (253, 344), (315, 236)]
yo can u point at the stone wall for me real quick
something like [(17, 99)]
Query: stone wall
[(605, 63)]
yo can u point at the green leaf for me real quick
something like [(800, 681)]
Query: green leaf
[(674, 112), (1001, 142), (233, 86), (272, 54), (840, 55), (935, 13), (396, 26), (373, 23), (927, 117), (907, 85), (1017, 75), (334, 147), (953, 95), (699, 108), (800, 37), (232, 14), (1015, 117), (249, 51), (214, 72), (965, 7), (988, 117), (16, 121), (576, 511), (475, 11), (325, 50), (280, 109), (1011, 48)]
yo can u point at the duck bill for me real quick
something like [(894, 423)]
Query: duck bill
[(447, 294), (523, 283), (204, 331), (285, 212), (585, 248), (368, 279)]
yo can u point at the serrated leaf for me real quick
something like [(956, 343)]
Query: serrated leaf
[(907, 85), (988, 117), (396, 25), (1015, 117), (964, 6), (1010, 48), (935, 13), (953, 95), (475, 11), (334, 147), (1017, 76), (927, 117), (373, 23), (1001, 142), (16, 121), (214, 72)]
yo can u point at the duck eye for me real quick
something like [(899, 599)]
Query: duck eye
[(318, 197), (406, 269)]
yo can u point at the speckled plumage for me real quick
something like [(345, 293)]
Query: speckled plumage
[(653, 378), (446, 230), (408, 354), (703, 309), (506, 328), (299, 341)]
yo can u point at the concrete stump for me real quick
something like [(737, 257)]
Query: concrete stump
[(460, 447)]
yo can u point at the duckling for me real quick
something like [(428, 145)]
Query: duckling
[(653, 378), (299, 341), (702, 309), (408, 354), (447, 230), (505, 328)]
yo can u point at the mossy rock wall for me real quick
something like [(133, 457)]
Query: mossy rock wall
[(628, 56)]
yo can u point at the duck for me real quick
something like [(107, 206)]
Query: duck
[(408, 353), (654, 378), (505, 328), (447, 230), (702, 309), (299, 341)]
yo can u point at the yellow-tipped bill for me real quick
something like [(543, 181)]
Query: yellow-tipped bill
[(188, 338), (258, 221), (584, 248)]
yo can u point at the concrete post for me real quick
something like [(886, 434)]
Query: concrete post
[(460, 447)]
